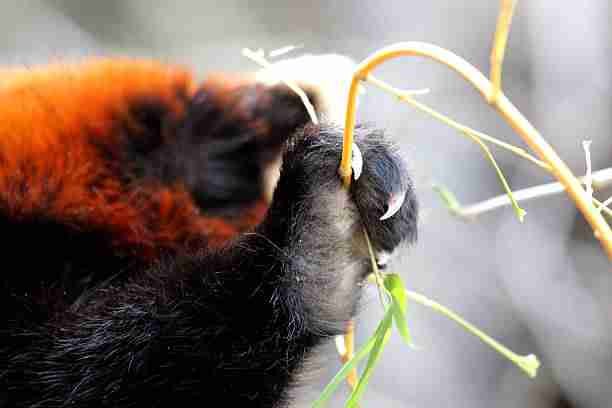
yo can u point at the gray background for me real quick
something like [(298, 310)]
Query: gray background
[(543, 286)]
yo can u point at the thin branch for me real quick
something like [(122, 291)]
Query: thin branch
[(588, 180), (507, 110), (487, 152), (284, 50), (405, 96), (348, 351), (529, 363), (504, 20), (600, 180), (604, 206)]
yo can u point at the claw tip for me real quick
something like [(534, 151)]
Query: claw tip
[(394, 204)]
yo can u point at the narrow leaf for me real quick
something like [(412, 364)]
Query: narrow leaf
[(449, 199), (529, 364), (394, 284), (348, 366), (381, 337)]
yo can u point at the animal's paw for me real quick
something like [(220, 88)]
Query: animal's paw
[(383, 193), (381, 199)]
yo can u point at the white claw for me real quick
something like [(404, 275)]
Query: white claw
[(357, 162), (340, 345), (395, 203)]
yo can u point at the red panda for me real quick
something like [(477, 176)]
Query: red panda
[(145, 261)]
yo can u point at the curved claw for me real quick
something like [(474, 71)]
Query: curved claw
[(340, 346), (356, 162), (395, 203)]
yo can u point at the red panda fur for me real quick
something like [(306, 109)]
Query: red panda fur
[(53, 120)]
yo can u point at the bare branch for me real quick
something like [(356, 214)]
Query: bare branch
[(600, 179), (504, 20), (588, 180)]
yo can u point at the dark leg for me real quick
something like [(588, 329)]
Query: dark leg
[(236, 325)]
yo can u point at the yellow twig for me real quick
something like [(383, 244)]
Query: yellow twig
[(349, 352), (506, 109), (588, 178), (504, 20)]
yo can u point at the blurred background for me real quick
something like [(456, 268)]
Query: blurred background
[(541, 287)]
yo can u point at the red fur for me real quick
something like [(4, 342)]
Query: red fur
[(49, 166)]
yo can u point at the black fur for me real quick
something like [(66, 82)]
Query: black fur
[(217, 151), (233, 326)]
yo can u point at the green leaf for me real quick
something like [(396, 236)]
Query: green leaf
[(381, 337), (347, 367), (520, 213), (529, 364), (450, 200), (395, 286)]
